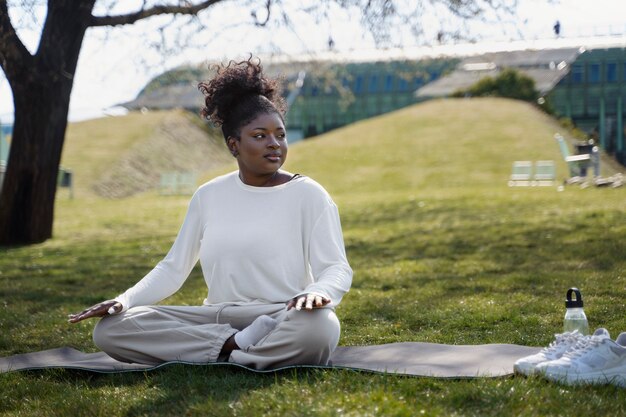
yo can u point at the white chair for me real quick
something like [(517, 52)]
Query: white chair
[(544, 173), (521, 174)]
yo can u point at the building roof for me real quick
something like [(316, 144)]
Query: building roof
[(546, 67), (450, 50), (178, 88), (540, 59), (168, 97)]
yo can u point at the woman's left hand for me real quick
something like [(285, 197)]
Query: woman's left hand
[(98, 310), (308, 302)]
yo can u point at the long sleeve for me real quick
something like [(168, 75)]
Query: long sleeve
[(255, 245), (169, 274), (332, 274)]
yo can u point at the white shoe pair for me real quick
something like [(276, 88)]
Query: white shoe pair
[(576, 359)]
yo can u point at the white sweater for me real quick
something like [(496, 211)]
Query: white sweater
[(255, 245)]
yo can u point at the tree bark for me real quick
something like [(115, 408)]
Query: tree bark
[(41, 87), (28, 192)]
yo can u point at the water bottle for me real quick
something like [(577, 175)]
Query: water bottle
[(575, 318)]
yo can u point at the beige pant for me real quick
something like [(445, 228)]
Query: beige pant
[(156, 334)]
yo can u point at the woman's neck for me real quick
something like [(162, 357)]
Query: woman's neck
[(277, 178)]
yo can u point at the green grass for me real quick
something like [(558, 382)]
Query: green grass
[(443, 251)]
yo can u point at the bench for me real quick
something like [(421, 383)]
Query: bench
[(521, 174), (177, 183), (545, 173), (525, 174)]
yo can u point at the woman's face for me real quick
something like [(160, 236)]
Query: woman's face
[(261, 148)]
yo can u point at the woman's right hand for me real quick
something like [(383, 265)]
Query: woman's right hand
[(98, 310)]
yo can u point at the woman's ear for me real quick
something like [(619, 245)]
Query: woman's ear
[(233, 145)]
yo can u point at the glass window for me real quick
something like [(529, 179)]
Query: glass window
[(373, 86), (611, 72), (387, 103), (578, 106), (578, 73), (358, 84), (593, 106), (594, 73), (403, 84), (389, 83)]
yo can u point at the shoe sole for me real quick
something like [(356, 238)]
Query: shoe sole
[(615, 377), (526, 370)]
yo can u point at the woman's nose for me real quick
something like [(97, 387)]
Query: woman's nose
[(273, 142)]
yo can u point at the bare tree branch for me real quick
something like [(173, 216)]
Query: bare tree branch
[(257, 22), (130, 18)]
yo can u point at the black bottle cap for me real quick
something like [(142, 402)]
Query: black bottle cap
[(577, 303)]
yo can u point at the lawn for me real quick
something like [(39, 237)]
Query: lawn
[(443, 251)]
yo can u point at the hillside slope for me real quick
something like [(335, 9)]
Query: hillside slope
[(123, 156), (437, 144)]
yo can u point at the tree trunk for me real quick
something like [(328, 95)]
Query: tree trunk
[(41, 95), (28, 192)]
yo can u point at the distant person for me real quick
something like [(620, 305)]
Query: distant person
[(557, 29), (269, 243)]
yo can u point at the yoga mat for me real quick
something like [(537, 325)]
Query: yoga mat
[(408, 358)]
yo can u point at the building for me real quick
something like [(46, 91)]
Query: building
[(322, 94), (335, 95), (583, 80), (593, 94)]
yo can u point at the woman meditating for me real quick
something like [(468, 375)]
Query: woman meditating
[(269, 243)]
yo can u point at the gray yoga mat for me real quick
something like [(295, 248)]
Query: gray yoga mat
[(408, 358)]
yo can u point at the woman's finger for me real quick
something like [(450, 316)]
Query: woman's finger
[(309, 301), (115, 308), (97, 310), (318, 301)]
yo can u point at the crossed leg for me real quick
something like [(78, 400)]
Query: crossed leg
[(156, 334)]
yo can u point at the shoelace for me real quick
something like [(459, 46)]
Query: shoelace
[(584, 346), (560, 339)]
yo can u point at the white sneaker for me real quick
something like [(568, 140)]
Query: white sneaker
[(563, 343), (599, 361)]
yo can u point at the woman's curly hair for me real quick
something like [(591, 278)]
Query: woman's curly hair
[(238, 94)]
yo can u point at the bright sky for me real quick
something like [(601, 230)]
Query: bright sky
[(114, 72)]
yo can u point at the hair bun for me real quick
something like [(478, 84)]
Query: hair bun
[(234, 85)]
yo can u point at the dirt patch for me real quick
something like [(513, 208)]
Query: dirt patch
[(180, 143)]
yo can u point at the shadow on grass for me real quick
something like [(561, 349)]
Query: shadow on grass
[(479, 272), (212, 390), (593, 240)]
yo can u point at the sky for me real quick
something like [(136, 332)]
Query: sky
[(115, 64)]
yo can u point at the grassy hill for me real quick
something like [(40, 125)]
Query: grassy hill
[(123, 156), (439, 144), (443, 251), (445, 144)]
